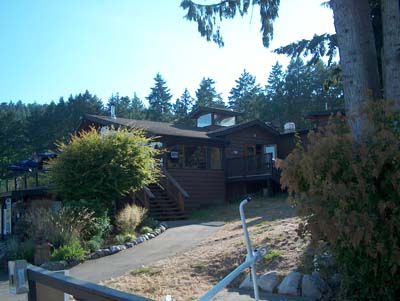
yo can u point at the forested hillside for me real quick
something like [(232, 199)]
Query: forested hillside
[(286, 95)]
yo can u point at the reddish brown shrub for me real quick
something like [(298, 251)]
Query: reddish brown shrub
[(349, 195)]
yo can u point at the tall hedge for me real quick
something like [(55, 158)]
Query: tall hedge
[(94, 170), (349, 195)]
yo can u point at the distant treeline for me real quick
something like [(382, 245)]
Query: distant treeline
[(287, 96)]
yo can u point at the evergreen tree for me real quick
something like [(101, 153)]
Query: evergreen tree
[(159, 101), (207, 96), (136, 108), (121, 105), (182, 108), (245, 96), (274, 102)]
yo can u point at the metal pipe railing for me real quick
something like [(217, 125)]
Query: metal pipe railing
[(252, 257)]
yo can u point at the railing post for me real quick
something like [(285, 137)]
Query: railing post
[(25, 182), (6, 185), (37, 178), (15, 183), (32, 291)]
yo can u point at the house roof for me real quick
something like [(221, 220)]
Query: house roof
[(154, 127), (237, 127), (204, 110)]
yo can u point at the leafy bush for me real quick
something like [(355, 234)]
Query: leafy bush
[(15, 249), (348, 192), (100, 168), (102, 226), (129, 237), (95, 243), (69, 252), (149, 222), (145, 230), (129, 218), (119, 239)]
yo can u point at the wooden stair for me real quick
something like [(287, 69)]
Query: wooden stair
[(162, 207)]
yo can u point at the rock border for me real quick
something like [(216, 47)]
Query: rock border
[(294, 284), (111, 250)]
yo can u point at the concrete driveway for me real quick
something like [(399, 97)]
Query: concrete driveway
[(180, 237)]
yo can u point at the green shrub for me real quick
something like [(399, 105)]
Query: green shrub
[(95, 243), (119, 239), (149, 222), (129, 237), (15, 249), (129, 218), (145, 230), (69, 252), (100, 168), (348, 192)]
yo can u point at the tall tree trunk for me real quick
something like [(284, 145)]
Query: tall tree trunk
[(391, 50), (358, 57)]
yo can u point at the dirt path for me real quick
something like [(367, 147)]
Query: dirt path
[(182, 236)]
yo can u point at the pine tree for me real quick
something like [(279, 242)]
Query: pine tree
[(121, 105), (182, 108), (245, 96), (207, 96), (159, 101), (136, 108)]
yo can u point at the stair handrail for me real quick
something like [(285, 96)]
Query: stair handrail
[(144, 196), (148, 192), (181, 193)]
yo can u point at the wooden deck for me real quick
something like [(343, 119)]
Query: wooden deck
[(25, 184), (251, 169)]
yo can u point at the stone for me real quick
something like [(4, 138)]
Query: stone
[(161, 228), (158, 231), (122, 247), (309, 288), (54, 265), (290, 284), (247, 283), (106, 252), (114, 249), (319, 281), (129, 245), (151, 235), (269, 281)]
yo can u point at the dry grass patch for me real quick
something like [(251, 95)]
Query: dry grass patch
[(272, 222)]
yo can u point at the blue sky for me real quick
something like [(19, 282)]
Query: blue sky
[(53, 48)]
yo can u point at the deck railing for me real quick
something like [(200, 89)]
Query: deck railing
[(80, 290), (25, 180), (251, 166)]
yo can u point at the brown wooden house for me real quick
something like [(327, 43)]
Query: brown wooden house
[(215, 161)]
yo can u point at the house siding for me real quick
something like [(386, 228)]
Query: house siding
[(205, 187), (252, 135)]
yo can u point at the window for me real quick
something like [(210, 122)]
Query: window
[(215, 157), (195, 157), (224, 120), (198, 157), (204, 120), (270, 151)]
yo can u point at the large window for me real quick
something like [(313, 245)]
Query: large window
[(224, 120), (204, 120), (197, 157)]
